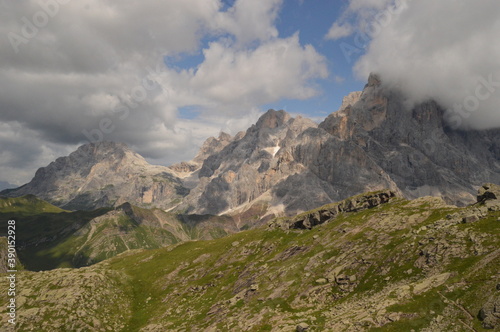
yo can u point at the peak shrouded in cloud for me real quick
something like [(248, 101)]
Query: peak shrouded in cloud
[(443, 50)]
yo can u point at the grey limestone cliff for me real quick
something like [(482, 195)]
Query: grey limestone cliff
[(250, 167), (415, 147)]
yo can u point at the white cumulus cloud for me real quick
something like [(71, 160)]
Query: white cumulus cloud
[(338, 31), (250, 20), (234, 80)]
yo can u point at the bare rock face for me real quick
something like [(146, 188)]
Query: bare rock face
[(490, 313), (489, 196), (184, 167), (348, 101), (488, 192), (250, 166), (103, 174), (212, 146), (414, 147)]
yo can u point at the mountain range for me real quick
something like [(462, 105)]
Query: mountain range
[(283, 165)]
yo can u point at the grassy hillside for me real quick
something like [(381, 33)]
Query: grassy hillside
[(405, 265), (26, 205), (44, 240), (48, 237)]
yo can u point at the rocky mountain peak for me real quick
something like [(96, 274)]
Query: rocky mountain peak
[(211, 146), (273, 119), (375, 141), (90, 154), (87, 156), (103, 146), (102, 174), (224, 137), (374, 80), (351, 99)]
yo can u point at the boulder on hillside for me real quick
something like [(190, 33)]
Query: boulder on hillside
[(488, 191), (489, 314), (489, 195)]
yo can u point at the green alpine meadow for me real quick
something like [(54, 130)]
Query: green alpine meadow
[(377, 263)]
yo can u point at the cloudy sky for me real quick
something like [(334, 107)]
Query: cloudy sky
[(163, 75)]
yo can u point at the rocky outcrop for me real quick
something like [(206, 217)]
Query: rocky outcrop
[(184, 167), (490, 313), (210, 147), (213, 145), (329, 212), (350, 100), (489, 196), (488, 192), (103, 174)]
